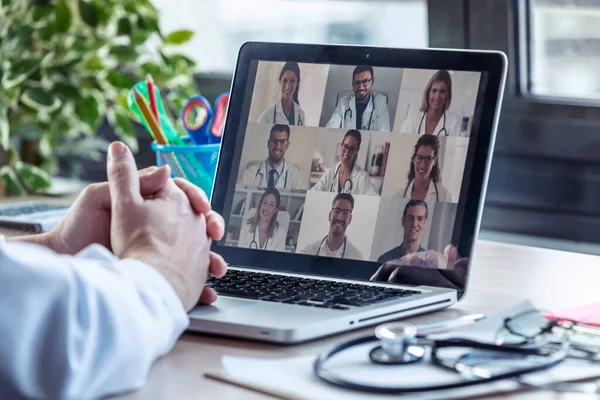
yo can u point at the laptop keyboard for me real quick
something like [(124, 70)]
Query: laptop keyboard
[(27, 209), (302, 291)]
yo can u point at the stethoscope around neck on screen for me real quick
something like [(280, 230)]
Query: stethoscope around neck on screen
[(335, 181), (349, 111), (443, 130), (323, 241), (300, 122), (285, 179), (254, 243), (437, 193)]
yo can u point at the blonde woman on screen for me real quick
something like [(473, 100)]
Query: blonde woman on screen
[(434, 116), (286, 109), (261, 230)]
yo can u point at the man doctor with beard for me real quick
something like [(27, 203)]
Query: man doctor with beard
[(363, 109), (275, 171), (336, 243)]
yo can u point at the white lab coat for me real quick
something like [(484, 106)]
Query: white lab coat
[(321, 247), (276, 243), (441, 194), (255, 177), (277, 110), (361, 182), (83, 326), (344, 115), (413, 119)]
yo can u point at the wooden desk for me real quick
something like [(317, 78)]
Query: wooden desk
[(502, 275)]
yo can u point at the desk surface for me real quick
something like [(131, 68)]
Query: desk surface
[(502, 275)]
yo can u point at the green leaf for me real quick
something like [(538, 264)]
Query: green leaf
[(123, 127), (124, 26), (120, 80), (4, 127), (89, 14), (66, 90), (19, 71), (88, 111), (179, 37), (32, 177), (124, 53), (148, 24), (11, 181), (64, 16), (42, 12), (40, 99)]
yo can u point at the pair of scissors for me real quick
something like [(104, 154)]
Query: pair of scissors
[(208, 125)]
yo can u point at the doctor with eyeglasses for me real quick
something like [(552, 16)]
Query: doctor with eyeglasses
[(424, 174), (346, 176), (275, 171), (363, 109)]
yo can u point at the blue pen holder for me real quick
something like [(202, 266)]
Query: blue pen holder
[(181, 159)]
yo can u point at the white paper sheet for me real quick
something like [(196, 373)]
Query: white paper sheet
[(295, 376)]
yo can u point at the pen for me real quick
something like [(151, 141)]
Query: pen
[(151, 121), (152, 97), (445, 325)]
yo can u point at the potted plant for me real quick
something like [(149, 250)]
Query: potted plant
[(66, 66)]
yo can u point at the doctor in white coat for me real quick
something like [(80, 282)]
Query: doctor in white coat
[(262, 230), (346, 176), (434, 116), (363, 109), (275, 171), (86, 308), (286, 110), (424, 176)]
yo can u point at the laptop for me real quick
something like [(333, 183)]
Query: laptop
[(340, 209)]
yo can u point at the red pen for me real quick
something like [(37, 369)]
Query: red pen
[(152, 97)]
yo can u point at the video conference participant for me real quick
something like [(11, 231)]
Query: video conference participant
[(363, 109), (287, 109), (414, 222), (275, 171), (424, 174), (346, 176), (336, 243), (434, 116), (262, 231)]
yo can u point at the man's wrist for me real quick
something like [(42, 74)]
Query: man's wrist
[(45, 239), (163, 267)]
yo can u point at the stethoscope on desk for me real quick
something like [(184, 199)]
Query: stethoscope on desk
[(437, 193), (255, 243), (400, 345), (335, 182), (348, 110), (443, 125), (323, 241), (300, 122), (285, 179)]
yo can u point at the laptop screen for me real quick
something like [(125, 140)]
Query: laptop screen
[(355, 162), (336, 169)]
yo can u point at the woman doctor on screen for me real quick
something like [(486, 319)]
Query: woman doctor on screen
[(424, 174), (262, 231), (434, 116), (346, 176), (286, 109)]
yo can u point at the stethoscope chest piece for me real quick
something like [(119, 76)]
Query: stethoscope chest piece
[(397, 344)]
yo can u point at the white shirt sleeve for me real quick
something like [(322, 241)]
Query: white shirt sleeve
[(82, 326)]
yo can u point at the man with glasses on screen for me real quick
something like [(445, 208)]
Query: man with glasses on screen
[(336, 243), (363, 109), (275, 171), (414, 222)]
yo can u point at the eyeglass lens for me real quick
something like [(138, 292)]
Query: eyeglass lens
[(364, 82)]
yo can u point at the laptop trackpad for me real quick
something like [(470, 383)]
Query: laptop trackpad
[(222, 304)]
